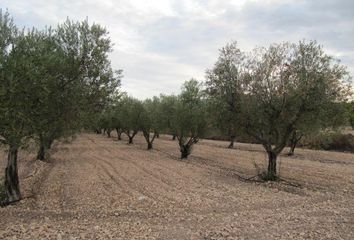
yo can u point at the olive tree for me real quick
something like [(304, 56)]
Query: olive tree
[(74, 69), (17, 97), (189, 119), (151, 121), (111, 117), (224, 87), (118, 118), (132, 112), (167, 104), (284, 85), (50, 83)]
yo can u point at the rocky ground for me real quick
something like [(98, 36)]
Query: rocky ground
[(99, 188)]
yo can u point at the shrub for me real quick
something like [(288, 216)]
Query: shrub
[(340, 142), (331, 141)]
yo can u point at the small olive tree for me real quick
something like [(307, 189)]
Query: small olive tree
[(189, 118), (131, 111), (167, 104), (151, 121), (286, 84)]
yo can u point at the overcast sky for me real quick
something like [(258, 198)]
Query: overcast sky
[(160, 44)]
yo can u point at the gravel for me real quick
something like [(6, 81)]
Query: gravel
[(99, 188)]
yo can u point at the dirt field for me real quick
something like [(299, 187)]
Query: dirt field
[(99, 188)]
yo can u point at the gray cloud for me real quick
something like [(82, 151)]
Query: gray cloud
[(160, 44)]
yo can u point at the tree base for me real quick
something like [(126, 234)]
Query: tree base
[(149, 147), (265, 176), (184, 155), (6, 203)]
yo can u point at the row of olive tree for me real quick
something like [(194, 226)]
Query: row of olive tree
[(183, 116), (275, 95), (53, 82)]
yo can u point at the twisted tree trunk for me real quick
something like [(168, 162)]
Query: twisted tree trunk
[(131, 136), (42, 148), (186, 148), (45, 143), (294, 140), (149, 140), (41, 152), (272, 165), (185, 151), (12, 186), (232, 140), (119, 134)]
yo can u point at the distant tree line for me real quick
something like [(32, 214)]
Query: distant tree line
[(53, 83)]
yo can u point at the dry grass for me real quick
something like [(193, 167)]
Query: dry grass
[(97, 187)]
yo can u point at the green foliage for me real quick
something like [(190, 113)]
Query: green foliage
[(350, 110), (53, 82), (276, 90), (330, 140), (16, 96), (189, 119), (131, 110), (290, 84), (152, 120), (224, 88), (168, 104), (90, 78)]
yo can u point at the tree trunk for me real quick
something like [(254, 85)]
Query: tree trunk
[(42, 148), (272, 166), (174, 137), (130, 137), (108, 133), (232, 140), (296, 137), (12, 186), (41, 152), (50, 143), (119, 134), (185, 151), (148, 140), (292, 150)]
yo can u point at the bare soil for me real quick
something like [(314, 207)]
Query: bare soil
[(100, 188)]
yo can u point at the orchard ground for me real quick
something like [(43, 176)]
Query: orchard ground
[(100, 188)]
